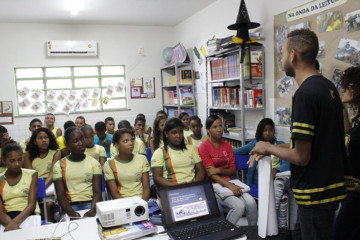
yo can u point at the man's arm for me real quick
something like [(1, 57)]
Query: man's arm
[(300, 155)]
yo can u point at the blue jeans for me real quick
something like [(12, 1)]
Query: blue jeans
[(237, 206), (81, 206)]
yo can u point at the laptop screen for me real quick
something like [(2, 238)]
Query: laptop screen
[(184, 203)]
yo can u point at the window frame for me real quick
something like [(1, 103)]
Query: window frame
[(72, 78)]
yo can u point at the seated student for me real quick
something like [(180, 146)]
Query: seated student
[(61, 140), (157, 139), (184, 117), (162, 113), (175, 163), (102, 138), (110, 125), (147, 128), (34, 124), (18, 189), (49, 122), (96, 151), (219, 162), (139, 131), (80, 122), (139, 146), (196, 138), (4, 139), (41, 155), (266, 132), (135, 180), (77, 177)]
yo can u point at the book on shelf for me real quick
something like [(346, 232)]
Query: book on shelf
[(189, 111), (186, 96), (126, 231), (225, 97), (253, 98), (256, 59), (172, 112), (213, 45), (172, 80), (234, 131), (185, 76)]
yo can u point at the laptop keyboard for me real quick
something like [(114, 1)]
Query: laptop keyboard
[(201, 230)]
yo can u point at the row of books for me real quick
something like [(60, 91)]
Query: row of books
[(229, 66), (185, 76), (229, 97), (173, 112), (186, 96), (233, 143)]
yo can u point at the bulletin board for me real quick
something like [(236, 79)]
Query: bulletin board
[(337, 25), (142, 87), (6, 112)]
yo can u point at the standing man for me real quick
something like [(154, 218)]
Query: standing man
[(317, 149)]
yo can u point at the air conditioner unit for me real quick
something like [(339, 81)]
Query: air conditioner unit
[(71, 48)]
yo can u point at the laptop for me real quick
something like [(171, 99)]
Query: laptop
[(190, 211)]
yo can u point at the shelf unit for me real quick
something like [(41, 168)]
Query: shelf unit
[(173, 85), (237, 81)]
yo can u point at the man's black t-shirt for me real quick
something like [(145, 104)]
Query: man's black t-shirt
[(317, 117)]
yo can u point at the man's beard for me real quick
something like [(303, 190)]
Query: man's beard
[(289, 71)]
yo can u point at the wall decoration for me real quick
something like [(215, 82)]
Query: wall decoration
[(352, 21), (6, 113), (144, 90), (326, 19)]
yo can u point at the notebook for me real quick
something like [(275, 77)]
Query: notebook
[(190, 211)]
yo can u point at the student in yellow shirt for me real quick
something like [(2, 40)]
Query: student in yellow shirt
[(175, 163), (4, 139), (41, 155), (18, 189), (77, 177), (34, 124), (61, 140), (96, 151), (147, 128), (184, 117), (80, 122), (110, 125), (140, 131), (157, 139), (135, 180), (49, 122), (196, 138), (139, 146)]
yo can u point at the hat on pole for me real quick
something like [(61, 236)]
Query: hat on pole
[(243, 23)]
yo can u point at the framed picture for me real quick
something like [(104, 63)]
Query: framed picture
[(135, 92), (149, 87)]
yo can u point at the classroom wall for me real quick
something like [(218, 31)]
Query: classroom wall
[(24, 45), (215, 18)]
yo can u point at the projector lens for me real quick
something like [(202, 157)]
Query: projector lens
[(139, 210)]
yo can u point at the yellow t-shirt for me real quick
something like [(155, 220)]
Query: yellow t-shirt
[(96, 152), (129, 180), (180, 168), (139, 148), (77, 177), (2, 169), (61, 142), (187, 133), (194, 142), (43, 165), (24, 143), (54, 131), (15, 197)]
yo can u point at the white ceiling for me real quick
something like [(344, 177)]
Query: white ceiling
[(122, 12)]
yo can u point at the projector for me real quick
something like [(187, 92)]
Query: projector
[(122, 211)]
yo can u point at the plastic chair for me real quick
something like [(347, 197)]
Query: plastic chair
[(103, 188), (254, 191), (41, 194), (241, 165), (148, 154)]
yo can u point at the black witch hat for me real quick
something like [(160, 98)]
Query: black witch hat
[(243, 23)]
